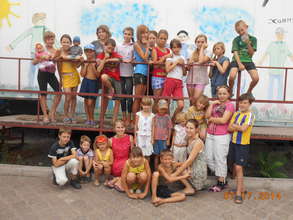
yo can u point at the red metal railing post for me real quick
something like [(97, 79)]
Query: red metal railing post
[(285, 84), (19, 63), (38, 110), (238, 89), (148, 78), (101, 124)]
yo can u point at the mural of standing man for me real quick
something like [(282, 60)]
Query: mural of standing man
[(277, 52), (36, 33)]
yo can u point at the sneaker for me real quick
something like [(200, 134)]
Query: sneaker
[(75, 184)]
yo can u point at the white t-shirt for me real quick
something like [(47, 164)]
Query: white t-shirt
[(126, 51), (177, 72)]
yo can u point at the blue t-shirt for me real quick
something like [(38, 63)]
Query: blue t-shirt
[(140, 68), (219, 79)]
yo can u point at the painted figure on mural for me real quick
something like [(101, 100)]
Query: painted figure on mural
[(277, 53), (36, 33)]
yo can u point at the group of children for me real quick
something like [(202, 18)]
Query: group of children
[(201, 138), (124, 70)]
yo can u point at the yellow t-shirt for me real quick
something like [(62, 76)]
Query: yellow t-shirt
[(136, 170), (239, 118), (199, 115)]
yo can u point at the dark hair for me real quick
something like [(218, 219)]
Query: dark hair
[(111, 41), (136, 152), (66, 36), (153, 32), (64, 130), (163, 31), (166, 152), (224, 87), (194, 122), (246, 96), (131, 30), (105, 28), (175, 42), (182, 32)]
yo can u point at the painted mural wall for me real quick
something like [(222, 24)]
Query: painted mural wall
[(22, 23)]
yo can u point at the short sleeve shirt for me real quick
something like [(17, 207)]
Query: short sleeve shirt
[(218, 112), (239, 118), (126, 51), (89, 153), (58, 151), (111, 68), (177, 72), (241, 47), (163, 124)]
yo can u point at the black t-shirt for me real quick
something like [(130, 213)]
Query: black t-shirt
[(58, 151)]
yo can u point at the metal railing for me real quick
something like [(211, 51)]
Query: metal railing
[(101, 127)]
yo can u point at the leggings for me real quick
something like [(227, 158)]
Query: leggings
[(127, 89)]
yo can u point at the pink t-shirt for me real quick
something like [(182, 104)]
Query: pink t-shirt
[(218, 112), (162, 125)]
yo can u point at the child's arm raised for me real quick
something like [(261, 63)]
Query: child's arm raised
[(124, 183), (143, 55), (202, 59)]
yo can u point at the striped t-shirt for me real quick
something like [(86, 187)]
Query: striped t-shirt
[(239, 118)]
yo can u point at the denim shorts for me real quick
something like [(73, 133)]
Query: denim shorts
[(159, 146)]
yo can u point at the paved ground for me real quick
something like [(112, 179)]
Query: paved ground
[(35, 198)]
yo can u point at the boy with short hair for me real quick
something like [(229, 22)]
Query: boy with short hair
[(243, 48), (75, 50), (241, 125), (64, 160), (109, 62), (90, 83), (160, 192)]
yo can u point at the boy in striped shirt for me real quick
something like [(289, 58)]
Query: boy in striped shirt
[(241, 125)]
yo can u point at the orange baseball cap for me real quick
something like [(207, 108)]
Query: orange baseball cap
[(101, 139)]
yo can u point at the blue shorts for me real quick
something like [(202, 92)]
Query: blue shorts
[(159, 146), (89, 86), (158, 82)]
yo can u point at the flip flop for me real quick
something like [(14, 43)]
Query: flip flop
[(118, 189), (238, 199)]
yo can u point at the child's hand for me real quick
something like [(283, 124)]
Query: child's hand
[(141, 195), (180, 61), (216, 102), (132, 196), (107, 55), (205, 45), (211, 120), (213, 63), (241, 67), (81, 59)]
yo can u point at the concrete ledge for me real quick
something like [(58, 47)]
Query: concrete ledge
[(253, 183)]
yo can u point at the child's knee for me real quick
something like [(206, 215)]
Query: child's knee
[(104, 78), (142, 177), (156, 174), (131, 178), (238, 168)]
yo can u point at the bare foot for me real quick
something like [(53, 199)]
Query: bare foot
[(155, 199), (96, 183), (158, 202), (188, 192)]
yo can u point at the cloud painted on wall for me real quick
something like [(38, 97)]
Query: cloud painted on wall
[(218, 23), (117, 16)]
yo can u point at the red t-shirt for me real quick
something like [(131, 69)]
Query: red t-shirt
[(112, 68), (159, 70)]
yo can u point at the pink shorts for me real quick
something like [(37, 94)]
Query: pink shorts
[(173, 87), (196, 86)]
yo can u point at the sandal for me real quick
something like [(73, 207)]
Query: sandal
[(215, 188), (238, 199)]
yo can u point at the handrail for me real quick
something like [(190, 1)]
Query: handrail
[(19, 59)]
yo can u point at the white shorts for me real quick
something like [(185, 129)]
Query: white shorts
[(71, 167), (144, 142)]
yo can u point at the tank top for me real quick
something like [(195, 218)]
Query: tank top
[(105, 157), (136, 170), (140, 68), (159, 70)]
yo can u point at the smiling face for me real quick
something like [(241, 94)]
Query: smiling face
[(152, 40), (176, 49), (166, 160), (127, 35), (102, 34), (50, 41), (85, 146), (223, 94), (65, 43), (146, 108), (191, 130), (244, 105), (119, 128), (241, 28), (144, 37)]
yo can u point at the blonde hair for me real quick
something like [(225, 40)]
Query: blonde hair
[(195, 53), (239, 22), (85, 138), (147, 101), (203, 99), (140, 30), (220, 44), (119, 121), (48, 35), (180, 117), (38, 16), (104, 28)]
